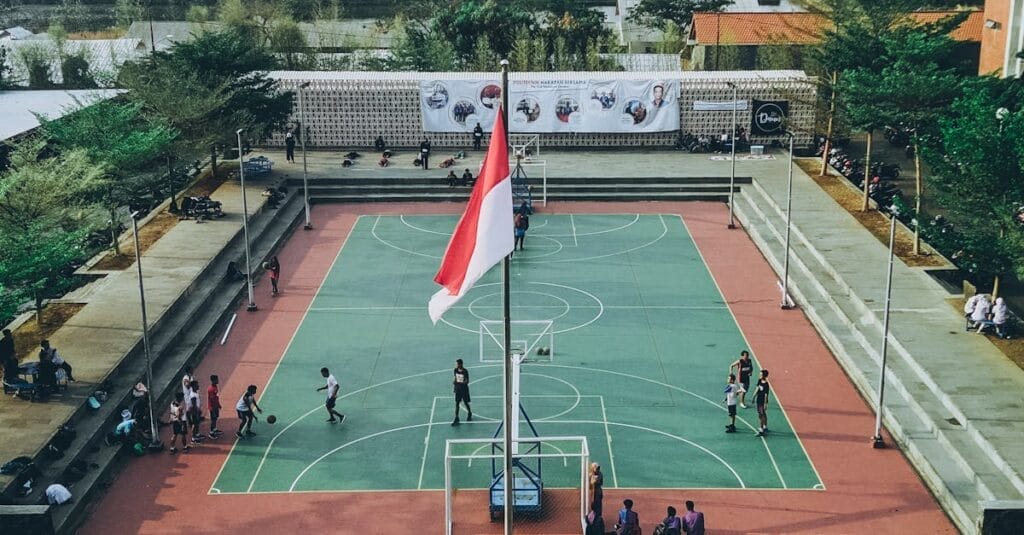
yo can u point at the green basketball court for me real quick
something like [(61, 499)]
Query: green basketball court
[(641, 342)]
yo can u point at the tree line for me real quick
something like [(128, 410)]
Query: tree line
[(966, 131), (78, 177)]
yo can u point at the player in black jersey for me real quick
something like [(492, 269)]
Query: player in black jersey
[(762, 391), (744, 369)]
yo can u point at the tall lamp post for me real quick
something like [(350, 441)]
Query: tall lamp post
[(154, 441), (302, 139), (787, 303), (877, 441), (245, 225), (732, 172)]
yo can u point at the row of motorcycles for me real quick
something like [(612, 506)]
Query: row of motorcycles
[(883, 192)]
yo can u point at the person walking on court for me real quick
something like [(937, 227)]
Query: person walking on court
[(629, 521), (731, 389), (522, 224), (213, 401), (478, 136), (194, 411), (244, 408), (693, 521), (761, 395), (744, 368), (596, 489), (425, 153), (179, 426), (274, 266), (332, 396), (460, 385), (289, 147)]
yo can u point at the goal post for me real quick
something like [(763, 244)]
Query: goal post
[(550, 493), (528, 336)]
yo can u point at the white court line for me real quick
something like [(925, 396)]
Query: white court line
[(426, 443), (575, 241), (636, 217), (373, 232), (608, 435), (782, 409), (464, 307), (295, 333), (598, 257), (691, 443)]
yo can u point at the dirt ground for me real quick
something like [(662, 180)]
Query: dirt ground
[(28, 336), (873, 220), (163, 222)]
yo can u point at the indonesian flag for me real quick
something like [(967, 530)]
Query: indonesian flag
[(484, 235)]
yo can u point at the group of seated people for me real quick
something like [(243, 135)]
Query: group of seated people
[(466, 180), (983, 315), (48, 373)]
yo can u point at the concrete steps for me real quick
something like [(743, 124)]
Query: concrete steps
[(959, 465)]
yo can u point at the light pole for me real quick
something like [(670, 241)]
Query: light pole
[(732, 172), (877, 441), (786, 301), (302, 139), (154, 441), (245, 225)]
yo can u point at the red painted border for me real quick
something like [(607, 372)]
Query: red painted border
[(867, 490)]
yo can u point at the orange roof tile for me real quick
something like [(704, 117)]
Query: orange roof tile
[(765, 28)]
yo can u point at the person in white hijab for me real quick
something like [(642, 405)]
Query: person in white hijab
[(969, 309), (1000, 313), (981, 309)]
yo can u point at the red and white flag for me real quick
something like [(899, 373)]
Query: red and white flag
[(484, 235)]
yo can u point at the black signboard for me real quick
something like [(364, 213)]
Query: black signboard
[(769, 117)]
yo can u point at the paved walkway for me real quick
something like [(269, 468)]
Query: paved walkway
[(96, 339), (953, 400), (952, 396)]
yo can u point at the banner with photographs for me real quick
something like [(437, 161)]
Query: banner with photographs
[(552, 106)]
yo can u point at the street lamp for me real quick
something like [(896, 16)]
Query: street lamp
[(877, 441), (732, 172), (154, 441), (245, 225), (787, 303), (302, 139)]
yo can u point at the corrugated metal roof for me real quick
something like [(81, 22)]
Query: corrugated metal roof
[(18, 108), (15, 32), (732, 29), (105, 55), (685, 76)]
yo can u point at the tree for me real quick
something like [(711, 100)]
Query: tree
[(37, 261), (464, 22), (9, 302), (76, 71), (6, 77), (977, 172), (419, 49), (119, 139), (37, 61), (288, 40), (655, 13), (52, 190), (197, 14), (128, 11)]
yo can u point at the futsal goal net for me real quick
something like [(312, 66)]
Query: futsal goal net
[(532, 339), (549, 478)]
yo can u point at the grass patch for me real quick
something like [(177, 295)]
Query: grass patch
[(163, 222), (30, 333), (874, 221)]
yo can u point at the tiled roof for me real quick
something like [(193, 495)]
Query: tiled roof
[(798, 28)]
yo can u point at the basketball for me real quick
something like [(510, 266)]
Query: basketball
[(271, 419)]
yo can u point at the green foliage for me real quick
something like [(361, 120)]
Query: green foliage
[(75, 70), (288, 40), (36, 260), (656, 13), (421, 50), (6, 76), (463, 23), (977, 173), (128, 11), (197, 14), (51, 190), (37, 61), (9, 302)]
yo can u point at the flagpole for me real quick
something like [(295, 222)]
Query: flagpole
[(506, 305)]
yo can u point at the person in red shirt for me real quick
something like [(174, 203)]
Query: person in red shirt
[(213, 402)]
